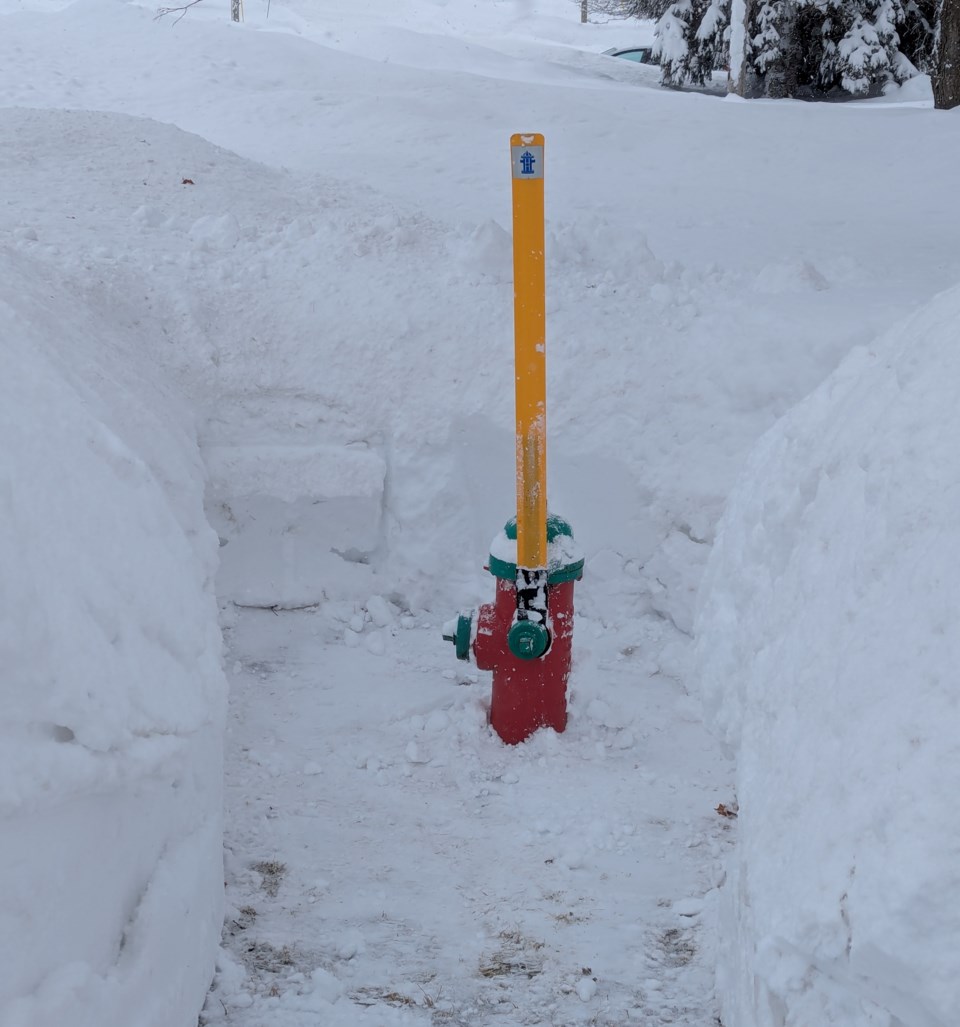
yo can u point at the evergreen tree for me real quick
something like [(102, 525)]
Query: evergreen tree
[(674, 44), (917, 34), (713, 35), (692, 39), (815, 48), (795, 48), (868, 55), (773, 48)]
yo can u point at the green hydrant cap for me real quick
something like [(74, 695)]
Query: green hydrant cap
[(459, 632), (564, 557)]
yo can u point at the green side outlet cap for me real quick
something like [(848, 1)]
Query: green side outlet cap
[(528, 640), (459, 633)]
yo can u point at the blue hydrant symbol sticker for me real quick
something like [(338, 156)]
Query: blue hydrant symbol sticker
[(527, 161)]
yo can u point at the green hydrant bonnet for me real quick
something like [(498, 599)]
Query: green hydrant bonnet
[(564, 556)]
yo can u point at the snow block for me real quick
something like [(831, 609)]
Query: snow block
[(296, 522)]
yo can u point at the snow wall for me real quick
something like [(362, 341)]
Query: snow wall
[(112, 691), (828, 652)]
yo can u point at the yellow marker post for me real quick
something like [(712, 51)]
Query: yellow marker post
[(529, 315)]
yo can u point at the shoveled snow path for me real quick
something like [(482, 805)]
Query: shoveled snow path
[(329, 311), (390, 861)]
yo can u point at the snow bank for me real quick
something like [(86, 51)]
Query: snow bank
[(828, 653), (110, 742)]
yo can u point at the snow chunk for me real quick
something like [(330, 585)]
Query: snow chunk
[(212, 232), (381, 611), (586, 988)]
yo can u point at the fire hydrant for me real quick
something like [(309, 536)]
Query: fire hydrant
[(530, 661)]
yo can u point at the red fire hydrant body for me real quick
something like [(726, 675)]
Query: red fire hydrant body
[(528, 694)]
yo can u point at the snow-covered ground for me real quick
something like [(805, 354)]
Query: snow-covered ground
[(302, 224)]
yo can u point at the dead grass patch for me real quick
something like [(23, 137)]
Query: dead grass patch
[(381, 996), (272, 872), (263, 957), (569, 918), (517, 956), (678, 948)]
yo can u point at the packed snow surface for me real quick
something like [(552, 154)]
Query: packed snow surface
[(288, 241)]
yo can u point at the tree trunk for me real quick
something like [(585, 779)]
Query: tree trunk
[(741, 78), (946, 70), (583, 11), (236, 10)]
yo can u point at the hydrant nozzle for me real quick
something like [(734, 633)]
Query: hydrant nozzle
[(460, 631)]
